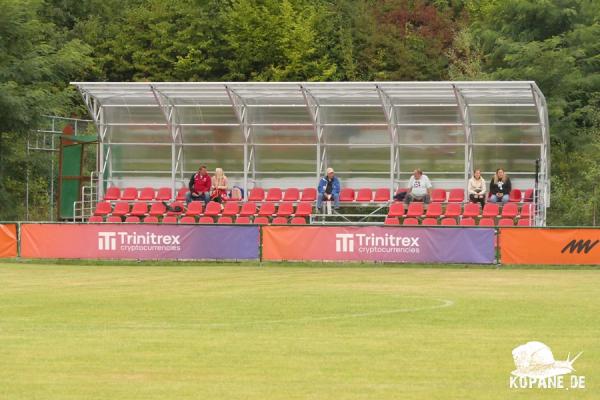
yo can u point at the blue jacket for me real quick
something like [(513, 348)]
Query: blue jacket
[(335, 186)]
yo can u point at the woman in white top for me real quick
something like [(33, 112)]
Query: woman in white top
[(219, 186), (476, 188)]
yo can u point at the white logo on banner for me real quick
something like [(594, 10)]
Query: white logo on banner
[(107, 241), (537, 368), (344, 242), (372, 243)]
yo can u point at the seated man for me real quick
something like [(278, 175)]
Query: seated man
[(419, 188), (329, 190), (200, 184)]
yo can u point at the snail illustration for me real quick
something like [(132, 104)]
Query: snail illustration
[(535, 360)]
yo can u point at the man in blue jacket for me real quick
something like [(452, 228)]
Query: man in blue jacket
[(329, 190)]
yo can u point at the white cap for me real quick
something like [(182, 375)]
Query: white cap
[(330, 170)]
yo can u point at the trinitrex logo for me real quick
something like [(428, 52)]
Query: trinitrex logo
[(364, 243), (537, 368), (134, 241), (579, 246)]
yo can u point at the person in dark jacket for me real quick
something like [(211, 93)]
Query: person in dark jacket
[(200, 186), (329, 189), (500, 187)]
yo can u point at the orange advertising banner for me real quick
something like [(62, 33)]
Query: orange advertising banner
[(549, 246), (8, 240)]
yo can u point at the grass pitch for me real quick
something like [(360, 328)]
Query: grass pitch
[(288, 332)]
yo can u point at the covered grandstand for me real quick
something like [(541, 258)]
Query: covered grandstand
[(284, 135)]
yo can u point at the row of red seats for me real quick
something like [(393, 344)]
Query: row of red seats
[(463, 222), (187, 219), (471, 210), (196, 208)]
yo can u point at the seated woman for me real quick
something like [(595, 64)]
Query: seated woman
[(476, 188), (500, 187), (219, 186)]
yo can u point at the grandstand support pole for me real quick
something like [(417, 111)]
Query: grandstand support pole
[(543, 197), (241, 112), (392, 121), (169, 110), (465, 116), (97, 112), (314, 109)]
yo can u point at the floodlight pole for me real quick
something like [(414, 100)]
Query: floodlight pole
[(465, 116), (314, 109), (392, 121), (241, 112), (543, 197)]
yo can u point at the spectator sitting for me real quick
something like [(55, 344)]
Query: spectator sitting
[(329, 189), (476, 188), (219, 186), (419, 188), (500, 187), (200, 185)]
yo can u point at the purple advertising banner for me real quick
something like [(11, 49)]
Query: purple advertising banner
[(150, 242), (388, 244)]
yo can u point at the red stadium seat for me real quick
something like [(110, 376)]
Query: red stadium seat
[(225, 220), (257, 194), (266, 210), (364, 195), (151, 220), (438, 195), (309, 194), (285, 209), (347, 195), (391, 221), (396, 210), (456, 196), (524, 222), (95, 218), (274, 194), (177, 205), (506, 222), (164, 194), (121, 208), (528, 197), (248, 209), (434, 210), (169, 219), (382, 195), (486, 222), (471, 210), (129, 194), (467, 222), (147, 194), (490, 210), (303, 209), (261, 221), (139, 209), (132, 219), (195, 208), (103, 208), (510, 210), (279, 221), (291, 194), (453, 210), (415, 209), (527, 210), (157, 209), (206, 220), (429, 221), (232, 208), (190, 220), (112, 193), (114, 218), (515, 196), (181, 193), (410, 221), (298, 221), (242, 220), (212, 209), (448, 221)]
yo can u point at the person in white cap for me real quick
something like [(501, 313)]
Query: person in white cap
[(329, 189)]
